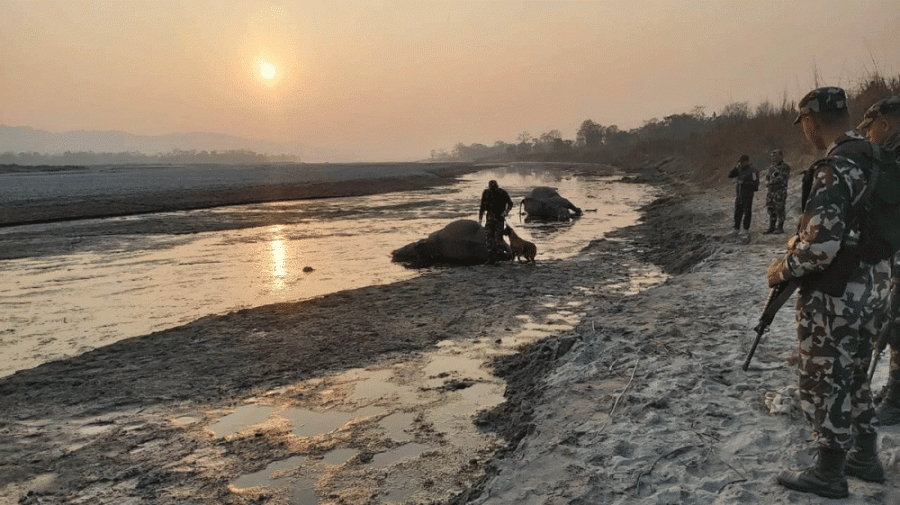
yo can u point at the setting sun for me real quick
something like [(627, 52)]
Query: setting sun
[(267, 70)]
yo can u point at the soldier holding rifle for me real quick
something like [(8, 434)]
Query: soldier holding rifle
[(841, 304)]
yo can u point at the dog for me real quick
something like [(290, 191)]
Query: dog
[(520, 247)]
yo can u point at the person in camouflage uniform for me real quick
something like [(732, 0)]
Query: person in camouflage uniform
[(835, 332), (881, 123), (776, 191), (496, 202)]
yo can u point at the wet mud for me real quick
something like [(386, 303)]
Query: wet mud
[(146, 420)]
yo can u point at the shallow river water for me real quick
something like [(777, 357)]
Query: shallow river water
[(127, 285), (114, 286)]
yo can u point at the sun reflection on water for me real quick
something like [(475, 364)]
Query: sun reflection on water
[(279, 263)]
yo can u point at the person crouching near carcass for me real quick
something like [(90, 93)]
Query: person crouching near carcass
[(836, 320), (496, 202)]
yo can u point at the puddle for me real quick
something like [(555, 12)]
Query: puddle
[(304, 492), (407, 451), (443, 367), (338, 457), (242, 417), (398, 495), (185, 420), (446, 387), (307, 423), (375, 386), (397, 424), (270, 475), (301, 490)]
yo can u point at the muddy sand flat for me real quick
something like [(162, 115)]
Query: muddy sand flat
[(639, 399)]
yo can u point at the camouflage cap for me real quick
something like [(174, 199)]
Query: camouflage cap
[(887, 107), (824, 99)]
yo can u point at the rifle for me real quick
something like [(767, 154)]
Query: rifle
[(778, 295), (880, 344), (886, 336)]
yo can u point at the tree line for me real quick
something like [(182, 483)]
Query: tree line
[(711, 141)]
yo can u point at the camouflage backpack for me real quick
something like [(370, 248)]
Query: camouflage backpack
[(877, 208)]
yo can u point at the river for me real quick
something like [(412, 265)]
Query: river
[(114, 286)]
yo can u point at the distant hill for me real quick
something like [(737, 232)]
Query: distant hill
[(23, 139)]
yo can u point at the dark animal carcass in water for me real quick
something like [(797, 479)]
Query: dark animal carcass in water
[(461, 242), (545, 203)]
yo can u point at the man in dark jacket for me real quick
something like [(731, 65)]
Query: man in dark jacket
[(496, 202), (746, 184)]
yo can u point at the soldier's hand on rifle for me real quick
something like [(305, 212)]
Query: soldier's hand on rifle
[(777, 272)]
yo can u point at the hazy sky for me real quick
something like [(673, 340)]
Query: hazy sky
[(392, 80)]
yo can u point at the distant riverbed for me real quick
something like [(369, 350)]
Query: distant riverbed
[(46, 194)]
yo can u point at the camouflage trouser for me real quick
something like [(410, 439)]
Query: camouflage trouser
[(493, 235), (775, 204), (836, 337), (894, 372)]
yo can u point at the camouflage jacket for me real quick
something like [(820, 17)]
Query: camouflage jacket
[(495, 202), (836, 181), (777, 176)]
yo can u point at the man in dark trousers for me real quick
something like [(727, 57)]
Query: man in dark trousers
[(836, 320), (496, 202), (881, 125), (746, 184)]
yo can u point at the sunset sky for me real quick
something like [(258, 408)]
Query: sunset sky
[(392, 80)]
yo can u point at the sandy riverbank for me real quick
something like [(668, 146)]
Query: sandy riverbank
[(37, 196), (643, 401)]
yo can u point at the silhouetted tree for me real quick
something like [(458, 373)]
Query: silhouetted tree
[(590, 134)]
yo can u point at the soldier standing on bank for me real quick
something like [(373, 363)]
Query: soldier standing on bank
[(835, 331), (881, 125), (496, 202), (746, 185), (776, 191)]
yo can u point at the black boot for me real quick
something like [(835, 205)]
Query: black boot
[(771, 226), (862, 460), (888, 411), (825, 478), (779, 228)]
